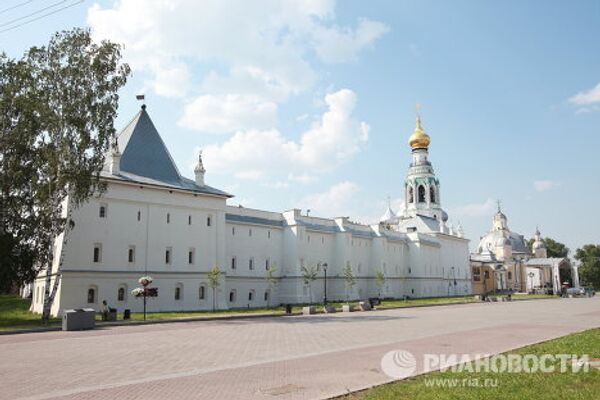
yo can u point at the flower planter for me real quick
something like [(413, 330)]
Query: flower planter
[(308, 310), (347, 308), (329, 309)]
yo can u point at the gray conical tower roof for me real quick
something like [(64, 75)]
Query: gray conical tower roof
[(146, 159)]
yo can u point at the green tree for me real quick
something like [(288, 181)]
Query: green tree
[(589, 271), (214, 281), (553, 248), (309, 275), (272, 281), (349, 280), (58, 104), (379, 281)]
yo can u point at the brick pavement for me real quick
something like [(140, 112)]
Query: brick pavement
[(272, 358)]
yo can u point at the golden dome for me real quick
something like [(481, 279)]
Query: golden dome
[(419, 139)]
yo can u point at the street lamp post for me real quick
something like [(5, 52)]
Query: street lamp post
[(325, 285)]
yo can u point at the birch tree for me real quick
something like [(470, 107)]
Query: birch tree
[(58, 104), (309, 275)]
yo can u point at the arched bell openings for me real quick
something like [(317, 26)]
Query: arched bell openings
[(421, 194), (432, 194), (411, 194)]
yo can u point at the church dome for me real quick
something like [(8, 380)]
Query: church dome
[(444, 216), (419, 139), (388, 215)]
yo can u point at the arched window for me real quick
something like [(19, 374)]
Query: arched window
[(421, 194), (122, 293), (251, 295), (201, 293), (91, 295), (266, 296), (432, 194), (178, 291), (232, 296), (411, 194)]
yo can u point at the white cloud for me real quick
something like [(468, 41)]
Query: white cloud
[(228, 113), (544, 185), (331, 141), (260, 43), (343, 44), (587, 97), (475, 209), (336, 201)]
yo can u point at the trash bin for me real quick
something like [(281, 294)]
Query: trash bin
[(127, 314), (78, 319), (288, 308)]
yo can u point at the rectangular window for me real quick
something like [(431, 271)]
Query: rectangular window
[(232, 231), (476, 274), (168, 218), (269, 234), (233, 263), (139, 215), (208, 221), (103, 210), (97, 253), (191, 256), (267, 264), (201, 293), (251, 264), (168, 255), (249, 232), (189, 219), (131, 254)]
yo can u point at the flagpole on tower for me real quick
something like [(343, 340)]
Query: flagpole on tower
[(142, 98)]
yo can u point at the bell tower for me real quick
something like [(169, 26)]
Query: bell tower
[(421, 187)]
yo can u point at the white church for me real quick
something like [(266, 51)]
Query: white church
[(153, 221)]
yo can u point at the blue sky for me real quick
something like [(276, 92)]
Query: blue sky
[(309, 104)]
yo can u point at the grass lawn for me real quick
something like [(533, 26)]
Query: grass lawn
[(14, 314), (511, 386)]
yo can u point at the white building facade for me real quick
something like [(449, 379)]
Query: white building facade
[(152, 221)]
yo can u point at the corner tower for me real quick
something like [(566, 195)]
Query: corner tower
[(421, 187)]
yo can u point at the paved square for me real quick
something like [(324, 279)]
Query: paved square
[(269, 358)]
